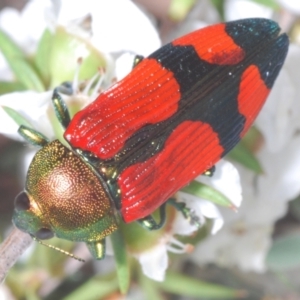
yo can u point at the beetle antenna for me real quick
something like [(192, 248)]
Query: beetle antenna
[(58, 249)]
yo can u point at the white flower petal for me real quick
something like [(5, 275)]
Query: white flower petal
[(282, 172), (241, 9), (5, 72), (154, 262), (225, 179), (27, 159), (202, 208), (32, 105), (244, 247), (21, 28), (43, 12), (10, 22), (293, 6), (118, 25), (124, 65), (5, 293)]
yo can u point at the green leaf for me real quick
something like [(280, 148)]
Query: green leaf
[(41, 59), (26, 75), (202, 190), (179, 9), (121, 260), (269, 3), (190, 287), (150, 288), (7, 87), (16, 116), (8, 47), (219, 5), (253, 140), (49, 259), (95, 288), (31, 294), (285, 253), (22, 70), (65, 52), (241, 154)]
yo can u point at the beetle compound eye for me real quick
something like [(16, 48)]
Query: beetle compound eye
[(22, 202), (44, 234)]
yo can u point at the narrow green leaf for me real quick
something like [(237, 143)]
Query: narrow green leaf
[(16, 116), (253, 140), (26, 75), (8, 47), (241, 154), (14, 280), (41, 59), (95, 288), (150, 288), (219, 5), (202, 190), (285, 253), (22, 70), (121, 260), (31, 294), (9, 87), (190, 287)]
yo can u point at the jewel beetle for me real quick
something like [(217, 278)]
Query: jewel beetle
[(172, 118)]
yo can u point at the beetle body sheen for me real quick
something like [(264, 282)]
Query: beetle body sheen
[(173, 117)]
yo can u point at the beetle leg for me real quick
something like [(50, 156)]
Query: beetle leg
[(97, 249), (149, 222), (60, 108), (188, 213), (137, 60), (32, 136), (210, 172)]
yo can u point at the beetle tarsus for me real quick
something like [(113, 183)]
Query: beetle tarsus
[(137, 60), (61, 109), (149, 223), (65, 88), (210, 172), (188, 213)]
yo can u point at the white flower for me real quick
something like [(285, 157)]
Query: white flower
[(241, 9), (32, 105), (118, 25), (113, 24), (106, 20), (154, 261), (292, 6)]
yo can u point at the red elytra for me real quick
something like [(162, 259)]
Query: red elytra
[(179, 111)]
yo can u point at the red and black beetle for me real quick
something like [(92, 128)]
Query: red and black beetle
[(172, 118)]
